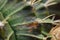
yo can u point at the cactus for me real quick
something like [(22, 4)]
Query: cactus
[(16, 15)]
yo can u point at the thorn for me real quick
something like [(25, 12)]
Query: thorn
[(1, 25)]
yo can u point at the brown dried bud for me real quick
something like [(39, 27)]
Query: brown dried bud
[(55, 32)]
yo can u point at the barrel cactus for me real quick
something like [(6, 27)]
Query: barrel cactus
[(20, 19)]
